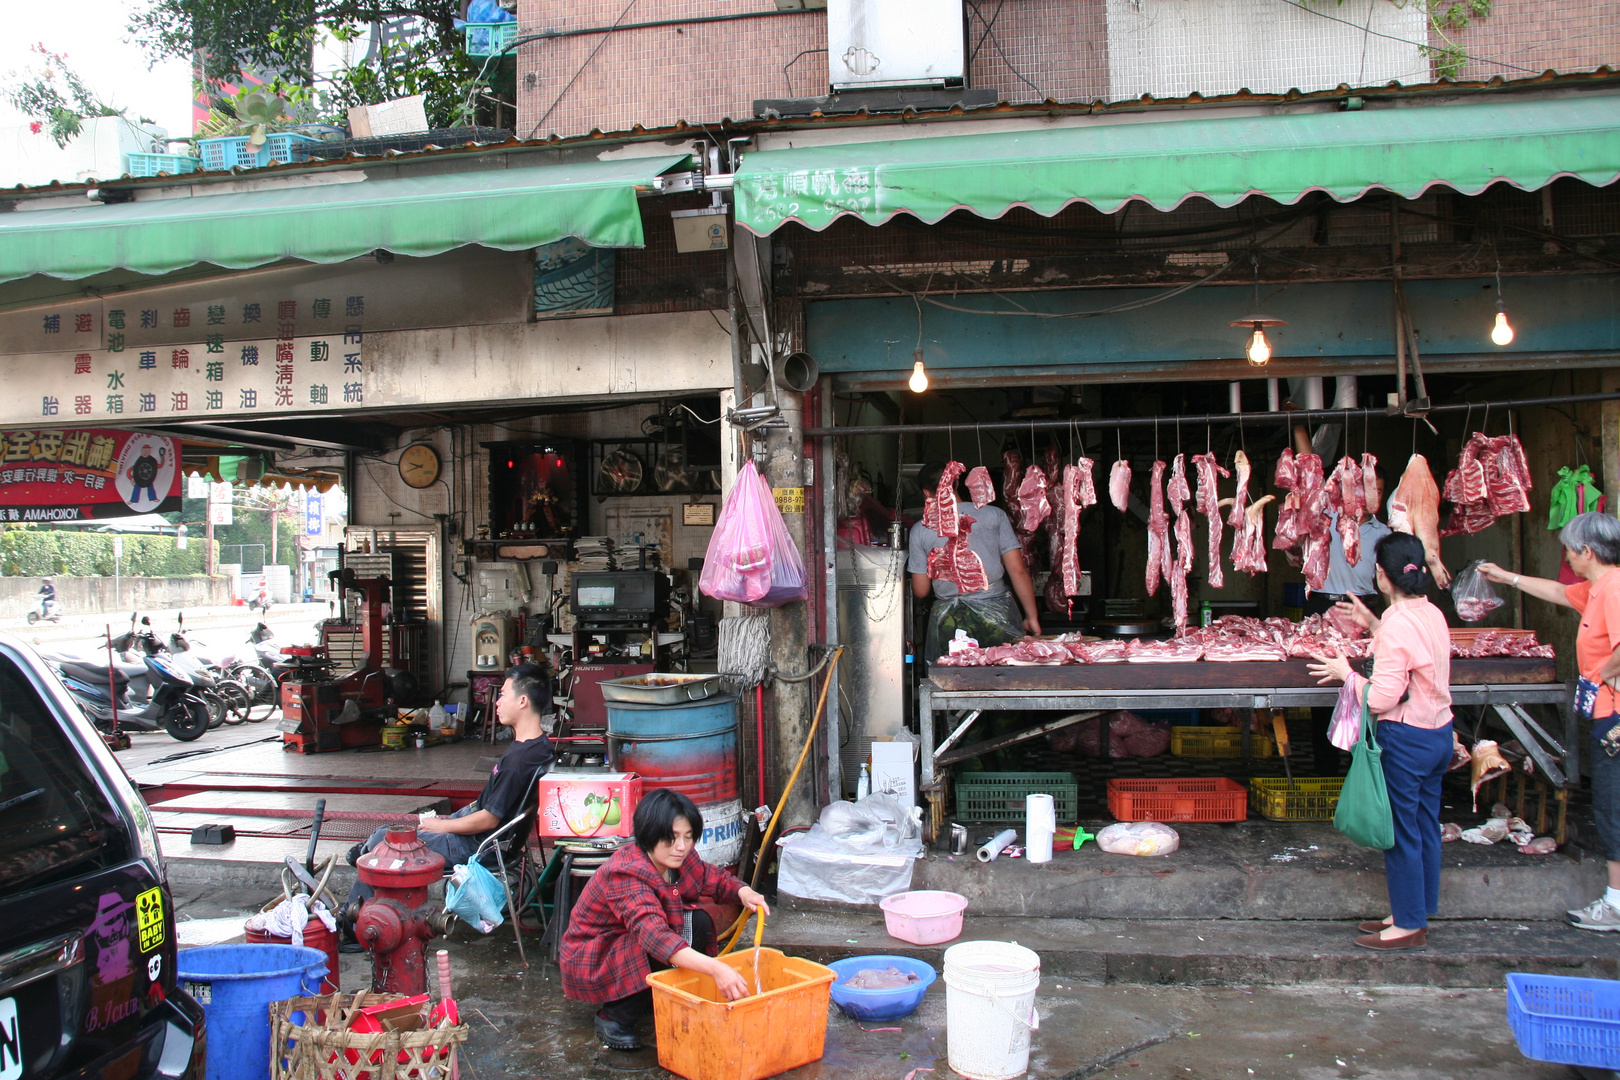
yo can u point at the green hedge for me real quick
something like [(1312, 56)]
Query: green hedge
[(27, 551)]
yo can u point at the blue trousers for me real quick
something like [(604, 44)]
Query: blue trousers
[(1415, 760), (454, 847)]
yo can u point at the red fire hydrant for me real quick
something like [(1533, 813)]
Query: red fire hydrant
[(396, 924)]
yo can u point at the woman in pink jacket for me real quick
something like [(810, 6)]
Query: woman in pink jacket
[(1409, 693)]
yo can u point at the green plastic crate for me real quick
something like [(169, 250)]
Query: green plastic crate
[(999, 796)]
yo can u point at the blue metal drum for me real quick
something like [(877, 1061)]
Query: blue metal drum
[(692, 748)]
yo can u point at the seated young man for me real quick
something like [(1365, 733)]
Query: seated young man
[(525, 697)]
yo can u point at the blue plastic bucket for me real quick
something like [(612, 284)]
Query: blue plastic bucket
[(235, 985)]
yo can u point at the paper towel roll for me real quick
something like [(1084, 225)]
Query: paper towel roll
[(1040, 822), (1000, 842)]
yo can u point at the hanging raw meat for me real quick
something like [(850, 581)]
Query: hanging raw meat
[(1077, 492), (1249, 545), (1208, 504), (981, 489), (957, 562), (1158, 529), (1346, 497), (1369, 484), (1314, 526), (1012, 472), (1178, 567), (945, 498), (1119, 485), (1054, 479), (1034, 507), (1491, 480), (930, 518), (1286, 478), (1240, 499), (1415, 509)]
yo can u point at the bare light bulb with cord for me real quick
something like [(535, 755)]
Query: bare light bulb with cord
[(1502, 332), (919, 376), (1259, 350)]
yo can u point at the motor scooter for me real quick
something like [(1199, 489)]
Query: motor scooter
[(48, 610), (175, 705)]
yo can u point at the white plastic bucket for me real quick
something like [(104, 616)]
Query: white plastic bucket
[(1040, 822), (990, 1008)]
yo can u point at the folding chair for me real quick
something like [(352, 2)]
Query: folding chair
[(510, 842)]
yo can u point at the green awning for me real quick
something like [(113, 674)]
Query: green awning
[(510, 209), (1405, 149)]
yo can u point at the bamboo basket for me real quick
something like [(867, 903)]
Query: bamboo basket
[(310, 1040)]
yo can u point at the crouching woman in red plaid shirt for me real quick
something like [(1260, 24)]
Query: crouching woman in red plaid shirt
[(636, 914)]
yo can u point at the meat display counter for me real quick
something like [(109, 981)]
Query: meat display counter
[(963, 694)]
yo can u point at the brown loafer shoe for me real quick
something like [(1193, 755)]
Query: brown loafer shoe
[(1417, 939), (1372, 927)]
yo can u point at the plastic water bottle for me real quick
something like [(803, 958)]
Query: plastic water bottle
[(438, 719), (863, 786)]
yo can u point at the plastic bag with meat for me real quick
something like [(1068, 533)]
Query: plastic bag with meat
[(1472, 594), (1139, 838), (1129, 736)]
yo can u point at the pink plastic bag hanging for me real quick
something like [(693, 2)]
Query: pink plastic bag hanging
[(787, 568), (737, 565)]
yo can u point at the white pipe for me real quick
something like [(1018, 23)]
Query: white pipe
[(1234, 397), (998, 843), (1345, 393), (1273, 396), (1312, 391)]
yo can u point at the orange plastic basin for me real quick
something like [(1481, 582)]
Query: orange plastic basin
[(701, 1036)]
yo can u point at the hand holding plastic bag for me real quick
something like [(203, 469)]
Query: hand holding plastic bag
[(1472, 594), (1346, 726)]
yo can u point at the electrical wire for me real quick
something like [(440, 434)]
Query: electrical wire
[(989, 29), (1401, 40), (583, 65), (1132, 305)]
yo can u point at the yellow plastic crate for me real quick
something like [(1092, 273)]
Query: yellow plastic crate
[(1311, 798), (1218, 742)]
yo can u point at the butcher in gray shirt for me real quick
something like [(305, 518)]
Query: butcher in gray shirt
[(990, 615)]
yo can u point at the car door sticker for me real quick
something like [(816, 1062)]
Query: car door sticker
[(112, 979), (149, 918), (11, 1052), (154, 967)]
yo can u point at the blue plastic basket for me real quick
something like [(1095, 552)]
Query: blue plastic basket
[(486, 39), (155, 164), (233, 152), (1565, 1020), (880, 1004)]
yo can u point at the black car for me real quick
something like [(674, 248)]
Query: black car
[(87, 948)]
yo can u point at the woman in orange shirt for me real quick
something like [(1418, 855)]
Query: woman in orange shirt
[(1592, 546), (1409, 692)]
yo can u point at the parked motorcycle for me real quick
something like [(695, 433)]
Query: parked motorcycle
[(175, 705), (49, 610)]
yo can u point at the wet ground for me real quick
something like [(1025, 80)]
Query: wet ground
[(522, 1026)]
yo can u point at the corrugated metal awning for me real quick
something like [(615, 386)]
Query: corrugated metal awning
[(510, 209), (1405, 150)]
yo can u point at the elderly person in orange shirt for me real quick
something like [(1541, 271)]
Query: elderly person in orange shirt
[(1592, 546), (1409, 691)]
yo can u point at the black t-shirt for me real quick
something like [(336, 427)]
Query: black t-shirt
[(510, 777)]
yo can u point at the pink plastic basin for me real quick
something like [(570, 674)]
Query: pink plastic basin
[(926, 917)]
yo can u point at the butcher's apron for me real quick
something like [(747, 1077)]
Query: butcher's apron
[(992, 620)]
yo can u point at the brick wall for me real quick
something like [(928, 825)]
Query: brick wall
[(1526, 37), (1029, 50)]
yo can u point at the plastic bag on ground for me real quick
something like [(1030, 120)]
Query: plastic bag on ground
[(1139, 838), (856, 853), (879, 821), (475, 896), (1472, 594)]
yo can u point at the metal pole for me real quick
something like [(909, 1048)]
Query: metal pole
[(1198, 418)]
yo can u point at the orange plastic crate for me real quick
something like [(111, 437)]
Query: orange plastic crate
[(1198, 799)]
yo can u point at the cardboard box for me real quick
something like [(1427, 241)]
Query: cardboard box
[(894, 769), (587, 804)]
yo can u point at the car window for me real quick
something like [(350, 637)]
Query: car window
[(54, 818)]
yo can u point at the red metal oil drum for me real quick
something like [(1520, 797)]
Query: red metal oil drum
[(316, 936), (690, 747)]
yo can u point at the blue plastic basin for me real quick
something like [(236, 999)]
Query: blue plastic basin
[(880, 1004), (235, 985)]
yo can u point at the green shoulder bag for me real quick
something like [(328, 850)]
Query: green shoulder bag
[(1364, 814)]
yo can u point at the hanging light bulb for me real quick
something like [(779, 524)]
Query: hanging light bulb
[(1258, 349), (919, 377), (1501, 332)]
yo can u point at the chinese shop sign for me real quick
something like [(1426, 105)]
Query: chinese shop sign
[(86, 474)]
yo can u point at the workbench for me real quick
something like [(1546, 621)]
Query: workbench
[(963, 694)]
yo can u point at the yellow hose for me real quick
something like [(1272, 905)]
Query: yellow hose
[(736, 928)]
